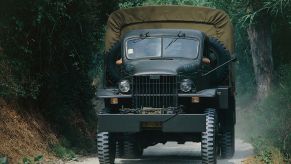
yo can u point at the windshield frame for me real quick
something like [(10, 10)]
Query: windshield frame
[(162, 46)]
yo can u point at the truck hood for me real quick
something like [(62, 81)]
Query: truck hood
[(161, 66)]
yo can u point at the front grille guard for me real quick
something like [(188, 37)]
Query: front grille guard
[(155, 91)]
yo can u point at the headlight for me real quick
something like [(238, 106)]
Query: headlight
[(186, 85), (124, 86)]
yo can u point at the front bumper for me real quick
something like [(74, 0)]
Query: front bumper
[(114, 93), (187, 123), (220, 95)]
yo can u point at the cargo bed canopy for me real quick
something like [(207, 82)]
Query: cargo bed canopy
[(213, 22)]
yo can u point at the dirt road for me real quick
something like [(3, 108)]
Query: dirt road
[(171, 152)]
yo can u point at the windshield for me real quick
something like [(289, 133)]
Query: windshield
[(144, 48), (166, 47)]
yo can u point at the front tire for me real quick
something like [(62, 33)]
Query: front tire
[(106, 148), (209, 138)]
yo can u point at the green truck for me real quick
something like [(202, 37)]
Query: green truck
[(168, 76)]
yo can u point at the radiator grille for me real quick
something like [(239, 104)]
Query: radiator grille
[(156, 91)]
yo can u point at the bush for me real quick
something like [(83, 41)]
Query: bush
[(63, 153), (3, 160), (47, 48), (266, 152), (36, 160), (268, 122), (40, 39)]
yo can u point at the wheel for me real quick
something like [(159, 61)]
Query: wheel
[(131, 147), (227, 143), (209, 138), (106, 148), (218, 55)]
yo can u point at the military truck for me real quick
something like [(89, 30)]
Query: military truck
[(168, 76)]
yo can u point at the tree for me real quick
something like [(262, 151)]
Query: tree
[(259, 32), (263, 15)]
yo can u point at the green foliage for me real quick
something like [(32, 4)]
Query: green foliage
[(36, 160), (43, 38), (132, 3), (26, 160), (268, 123), (278, 7), (267, 153), (276, 112), (255, 10), (263, 148), (179, 2), (3, 160), (63, 153), (48, 53), (127, 3)]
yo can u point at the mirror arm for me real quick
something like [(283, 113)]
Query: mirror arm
[(214, 69)]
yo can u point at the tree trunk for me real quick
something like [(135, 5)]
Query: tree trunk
[(259, 34)]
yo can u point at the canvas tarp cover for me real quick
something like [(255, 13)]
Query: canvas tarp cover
[(213, 22)]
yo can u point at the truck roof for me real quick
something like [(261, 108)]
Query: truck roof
[(212, 22)]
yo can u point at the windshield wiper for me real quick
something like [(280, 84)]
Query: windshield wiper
[(174, 40), (161, 59), (142, 37)]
